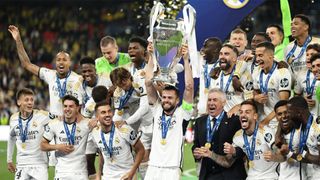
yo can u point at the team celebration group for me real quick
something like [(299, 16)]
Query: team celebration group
[(256, 111)]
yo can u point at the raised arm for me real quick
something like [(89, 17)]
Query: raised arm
[(151, 90), (23, 56), (188, 92), (286, 20)]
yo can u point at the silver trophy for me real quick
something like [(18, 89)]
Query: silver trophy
[(167, 36)]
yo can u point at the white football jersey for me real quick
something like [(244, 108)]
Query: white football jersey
[(298, 64), (313, 142), (292, 169), (261, 169), (301, 86), (280, 80), (29, 153), (233, 97), (73, 88), (171, 153), (76, 160), (87, 109), (203, 94), (122, 158), (137, 109)]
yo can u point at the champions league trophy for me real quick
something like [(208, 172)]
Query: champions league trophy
[(167, 36)]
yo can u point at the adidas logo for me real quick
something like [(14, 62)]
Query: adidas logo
[(62, 132)]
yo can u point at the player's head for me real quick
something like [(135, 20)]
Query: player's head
[(122, 78), (25, 100), (109, 48), (211, 48), (104, 113), (216, 101), (248, 114), (88, 70), (300, 25), (315, 64), (63, 63), (100, 93), (281, 110), (265, 55), (238, 38), (169, 98), (259, 37), (228, 56), (311, 50), (137, 49), (297, 108), (275, 32), (70, 107)]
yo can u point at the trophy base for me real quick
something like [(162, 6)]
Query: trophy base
[(165, 78)]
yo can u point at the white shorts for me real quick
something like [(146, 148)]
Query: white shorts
[(71, 176), (161, 173), (146, 136), (91, 147), (38, 172)]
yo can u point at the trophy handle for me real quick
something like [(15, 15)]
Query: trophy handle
[(156, 12)]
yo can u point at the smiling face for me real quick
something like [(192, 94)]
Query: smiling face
[(315, 67), (282, 117), (248, 117), (88, 72), (227, 58), (63, 63), (104, 114), (239, 40), (265, 58), (169, 100), (275, 35), (298, 27), (294, 115), (25, 103), (136, 52), (309, 53), (256, 40), (215, 104), (110, 52), (70, 110)]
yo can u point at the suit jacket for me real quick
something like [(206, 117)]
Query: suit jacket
[(225, 132)]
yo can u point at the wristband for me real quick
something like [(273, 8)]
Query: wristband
[(186, 106)]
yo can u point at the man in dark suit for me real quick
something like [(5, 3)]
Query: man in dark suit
[(211, 132)]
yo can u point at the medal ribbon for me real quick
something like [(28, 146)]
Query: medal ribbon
[(85, 85), (138, 68), (165, 124), (304, 134), (70, 136), (124, 99), (210, 132), (264, 87), (303, 49), (229, 80), (291, 139), (250, 151), (62, 90), (108, 148), (24, 132), (207, 78), (310, 88)]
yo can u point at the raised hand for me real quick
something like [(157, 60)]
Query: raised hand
[(14, 32)]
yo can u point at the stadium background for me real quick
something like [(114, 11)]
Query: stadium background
[(76, 26)]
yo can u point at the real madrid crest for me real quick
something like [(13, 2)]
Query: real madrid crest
[(34, 124), (235, 4)]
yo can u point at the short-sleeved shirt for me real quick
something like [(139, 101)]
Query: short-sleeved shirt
[(103, 65), (280, 80), (76, 160), (73, 87), (171, 153), (31, 153), (301, 86), (261, 169), (122, 158)]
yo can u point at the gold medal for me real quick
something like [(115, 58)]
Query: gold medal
[(23, 145), (112, 160), (206, 90), (207, 145), (135, 85), (251, 164), (163, 141), (299, 157), (120, 112), (290, 161)]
